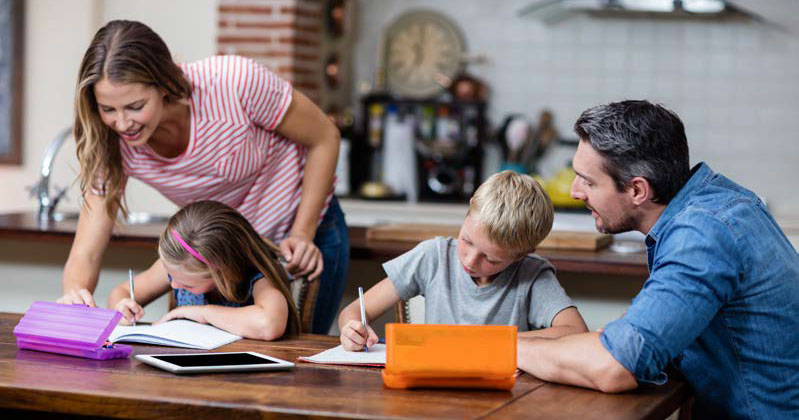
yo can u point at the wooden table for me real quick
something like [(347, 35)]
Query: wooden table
[(51, 384), (26, 226)]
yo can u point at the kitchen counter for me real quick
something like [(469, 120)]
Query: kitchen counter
[(25, 226)]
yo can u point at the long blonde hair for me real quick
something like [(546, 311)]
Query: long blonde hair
[(123, 52), (232, 247)]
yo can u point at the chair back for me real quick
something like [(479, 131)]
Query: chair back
[(304, 293), (410, 311)]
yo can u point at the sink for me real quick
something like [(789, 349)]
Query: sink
[(134, 218), (140, 218)]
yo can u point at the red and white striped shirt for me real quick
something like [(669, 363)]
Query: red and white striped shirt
[(234, 155)]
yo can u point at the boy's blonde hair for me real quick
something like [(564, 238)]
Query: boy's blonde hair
[(222, 236), (514, 211)]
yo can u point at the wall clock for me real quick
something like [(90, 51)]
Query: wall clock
[(422, 49)]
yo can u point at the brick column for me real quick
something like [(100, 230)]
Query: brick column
[(284, 35)]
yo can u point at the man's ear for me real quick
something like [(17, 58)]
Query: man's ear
[(640, 190)]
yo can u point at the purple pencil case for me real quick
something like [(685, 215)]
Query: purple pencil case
[(75, 330)]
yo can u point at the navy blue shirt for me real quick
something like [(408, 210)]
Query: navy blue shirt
[(185, 297), (721, 303)]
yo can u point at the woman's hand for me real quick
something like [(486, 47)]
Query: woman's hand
[(195, 313), (131, 311), (354, 336), (81, 296), (303, 256)]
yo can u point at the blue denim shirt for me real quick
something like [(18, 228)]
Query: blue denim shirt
[(721, 303)]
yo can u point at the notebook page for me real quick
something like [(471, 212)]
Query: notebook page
[(175, 333), (376, 356)]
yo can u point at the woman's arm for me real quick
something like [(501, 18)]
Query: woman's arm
[(567, 321), (376, 301), (306, 124), (82, 268), (265, 319), (147, 286)]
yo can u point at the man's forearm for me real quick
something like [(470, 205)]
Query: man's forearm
[(578, 359)]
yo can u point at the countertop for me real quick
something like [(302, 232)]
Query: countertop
[(360, 217)]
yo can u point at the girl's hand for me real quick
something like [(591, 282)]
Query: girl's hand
[(304, 258), (82, 296), (195, 313), (354, 336), (131, 311)]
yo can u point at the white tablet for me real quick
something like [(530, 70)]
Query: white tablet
[(214, 362)]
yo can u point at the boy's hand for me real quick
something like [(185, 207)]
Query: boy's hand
[(354, 336), (82, 296), (195, 313), (131, 311)]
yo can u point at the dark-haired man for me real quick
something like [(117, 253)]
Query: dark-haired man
[(722, 299)]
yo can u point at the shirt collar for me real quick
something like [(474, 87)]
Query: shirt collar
[(701, 174)]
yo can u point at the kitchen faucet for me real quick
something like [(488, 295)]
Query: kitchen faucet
[(41, 190)]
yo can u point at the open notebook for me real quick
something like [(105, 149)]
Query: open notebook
[(376, 356), (175, 333)]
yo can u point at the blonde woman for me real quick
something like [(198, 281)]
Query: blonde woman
[(224, 128), (221, 272)]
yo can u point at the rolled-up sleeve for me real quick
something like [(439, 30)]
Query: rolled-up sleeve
[(693, 274)]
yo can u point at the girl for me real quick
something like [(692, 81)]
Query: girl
[(224, 128), (222, 273)]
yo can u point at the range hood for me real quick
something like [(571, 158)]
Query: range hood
[(552, 11)]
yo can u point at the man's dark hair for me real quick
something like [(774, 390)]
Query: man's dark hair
[(638, 138)]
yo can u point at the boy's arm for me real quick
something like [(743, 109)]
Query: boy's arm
[(568, 321), (377, 300)]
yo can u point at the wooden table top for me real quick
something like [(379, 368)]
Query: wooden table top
[(126, 388), (26, 226)]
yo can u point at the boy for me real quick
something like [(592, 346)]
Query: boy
[(485, 276)]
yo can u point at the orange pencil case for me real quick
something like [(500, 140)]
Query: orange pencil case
[(450, 356)]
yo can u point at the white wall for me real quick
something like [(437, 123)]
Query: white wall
[(57, 34), (735, 84)]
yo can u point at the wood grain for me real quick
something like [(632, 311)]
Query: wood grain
[(51, 384), (59, 386)]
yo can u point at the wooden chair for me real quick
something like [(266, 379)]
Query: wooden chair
[(410, 311), (304, 293)]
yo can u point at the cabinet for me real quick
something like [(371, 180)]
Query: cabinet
[(424, 149)]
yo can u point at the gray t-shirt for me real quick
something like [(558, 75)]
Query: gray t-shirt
[(526, 294)]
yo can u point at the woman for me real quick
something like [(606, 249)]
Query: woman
[(223, 128)]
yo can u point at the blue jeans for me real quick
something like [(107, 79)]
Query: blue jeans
[(333, 240)]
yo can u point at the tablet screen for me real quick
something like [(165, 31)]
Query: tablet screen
[(214, 359)]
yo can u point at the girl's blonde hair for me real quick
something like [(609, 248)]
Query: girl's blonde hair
[(233, 249), (123, 52), (514, 211)]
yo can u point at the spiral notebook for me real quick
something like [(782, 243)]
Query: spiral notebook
[(376, 356), (175, 333)]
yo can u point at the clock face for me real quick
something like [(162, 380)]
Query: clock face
[(420, 47)]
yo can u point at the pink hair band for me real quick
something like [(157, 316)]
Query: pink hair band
[(188, 248)]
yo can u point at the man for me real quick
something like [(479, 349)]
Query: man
[(722, 299)]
